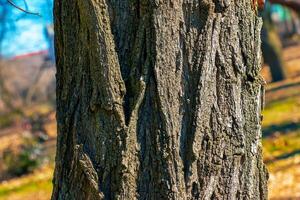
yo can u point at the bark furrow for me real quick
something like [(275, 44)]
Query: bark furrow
[(158, 100)]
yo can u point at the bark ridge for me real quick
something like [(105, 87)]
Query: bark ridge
[(158, 99)]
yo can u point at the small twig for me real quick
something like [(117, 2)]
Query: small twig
[(23, 10)]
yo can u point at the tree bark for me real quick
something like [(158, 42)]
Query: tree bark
[(158, 100)]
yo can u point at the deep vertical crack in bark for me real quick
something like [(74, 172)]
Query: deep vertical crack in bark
[(158, 100)]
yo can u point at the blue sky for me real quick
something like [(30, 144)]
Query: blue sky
[(22, 33)]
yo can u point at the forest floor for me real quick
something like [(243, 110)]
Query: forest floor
[(281, 141)]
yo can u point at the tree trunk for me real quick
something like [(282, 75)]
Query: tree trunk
[(272, 53), (158, 100)]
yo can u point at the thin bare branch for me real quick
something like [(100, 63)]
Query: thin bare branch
[(23, 10)]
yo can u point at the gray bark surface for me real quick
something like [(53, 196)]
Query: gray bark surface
[(158, 99)]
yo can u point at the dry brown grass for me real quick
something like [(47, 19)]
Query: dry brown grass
[(282, 121)]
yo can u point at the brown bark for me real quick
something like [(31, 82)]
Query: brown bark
[(158, 100)]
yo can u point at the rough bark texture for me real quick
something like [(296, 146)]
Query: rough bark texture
[(158, 99)]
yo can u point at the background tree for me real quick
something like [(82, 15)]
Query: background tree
[(158, 100), (271, 41), (272, 46), (272, 51)]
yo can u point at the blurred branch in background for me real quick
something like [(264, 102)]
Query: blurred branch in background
[(21, 9), (293, 4)]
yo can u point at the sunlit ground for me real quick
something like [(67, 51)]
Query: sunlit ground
[(281, 142), (281, 128), (36, 186)]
